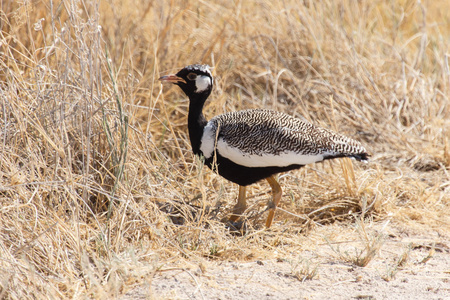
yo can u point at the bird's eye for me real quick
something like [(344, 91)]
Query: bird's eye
[(192, 76)]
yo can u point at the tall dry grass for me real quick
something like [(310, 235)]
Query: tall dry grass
[(98, 185)]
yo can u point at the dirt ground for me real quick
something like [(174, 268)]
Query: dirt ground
[(409, 265)]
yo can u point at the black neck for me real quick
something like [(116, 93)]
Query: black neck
[(196, 120)]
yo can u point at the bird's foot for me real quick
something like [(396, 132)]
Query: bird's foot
[(239, 227)]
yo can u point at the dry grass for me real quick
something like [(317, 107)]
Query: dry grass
[(98, 186), (371, 247)]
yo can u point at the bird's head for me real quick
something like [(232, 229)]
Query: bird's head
[(193, 80)]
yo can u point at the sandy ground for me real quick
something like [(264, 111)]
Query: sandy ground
[(407, 266)]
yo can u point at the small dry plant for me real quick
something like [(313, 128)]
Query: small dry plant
[(392, 270), (371, 246), (305, 269)]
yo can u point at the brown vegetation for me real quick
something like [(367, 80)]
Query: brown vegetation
[(98, 185)]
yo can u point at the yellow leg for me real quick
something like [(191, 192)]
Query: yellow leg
[(276, 197), (241, 205)]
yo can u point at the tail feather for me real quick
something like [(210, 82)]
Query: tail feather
[(360, 156), (364, 156)]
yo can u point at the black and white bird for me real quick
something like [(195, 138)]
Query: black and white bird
[(250, 145)]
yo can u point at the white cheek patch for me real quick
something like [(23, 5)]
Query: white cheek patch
[(202, 83)]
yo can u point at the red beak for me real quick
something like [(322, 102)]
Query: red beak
[(172, 78)]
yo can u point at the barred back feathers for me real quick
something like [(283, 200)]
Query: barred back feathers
[(260, 134)]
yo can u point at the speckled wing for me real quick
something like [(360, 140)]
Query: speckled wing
[(261, 138)]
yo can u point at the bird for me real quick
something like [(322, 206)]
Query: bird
[(251, 145)]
